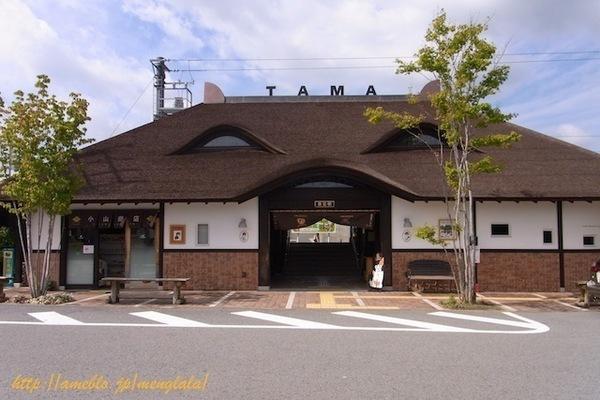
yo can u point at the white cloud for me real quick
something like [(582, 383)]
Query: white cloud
[(573, 134), (174, 24), (90, 58), (33, 47)]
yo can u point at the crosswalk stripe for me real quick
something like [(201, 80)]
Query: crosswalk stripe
[(484, 319), (402, 321), (54, 318), (168, 319), (299, 323)]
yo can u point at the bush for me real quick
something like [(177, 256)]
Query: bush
[(19, 299), (54, 298)]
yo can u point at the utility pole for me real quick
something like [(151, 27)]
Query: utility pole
[(160, 69)]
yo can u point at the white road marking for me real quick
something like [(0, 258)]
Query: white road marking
[(569, 305), (298, 323), (534, 326), (216, 303), (359, 301), (290, 301), (145, 302), (525, 325), (168, 319), (54, 318), (86, 299), (496, 302), (402, 321), (431, 303), (541, 296)]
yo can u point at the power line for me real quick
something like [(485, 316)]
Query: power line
[(131, 107), (526, 53), (334, 67)]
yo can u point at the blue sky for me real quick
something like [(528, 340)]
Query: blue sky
[(101, 48)]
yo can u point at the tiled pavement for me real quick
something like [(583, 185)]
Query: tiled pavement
[(335, 300)]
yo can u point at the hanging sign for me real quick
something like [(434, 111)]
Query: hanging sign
[(324, 203)]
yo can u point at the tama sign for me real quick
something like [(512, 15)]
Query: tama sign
[(333, 90)]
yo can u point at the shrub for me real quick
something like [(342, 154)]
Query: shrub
[(55, 298)]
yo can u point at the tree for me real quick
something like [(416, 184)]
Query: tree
[(39, 137), (465, 65)]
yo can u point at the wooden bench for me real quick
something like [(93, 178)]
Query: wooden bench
[(589, 295), (3, 281), (115, 283), (428, 270)]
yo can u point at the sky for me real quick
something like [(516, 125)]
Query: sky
[(102, 48)]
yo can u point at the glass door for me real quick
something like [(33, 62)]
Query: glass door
[(80, 258), (143, 253)]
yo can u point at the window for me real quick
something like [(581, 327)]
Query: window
[(227, 138), (547, 237), (421, 137), (203, 234), (227, 141), (589, 240), (500, 230)]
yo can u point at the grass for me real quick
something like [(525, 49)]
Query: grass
[(454, 303)]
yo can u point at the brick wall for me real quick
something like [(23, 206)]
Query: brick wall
[(234, 270), (497, 271), (400, 262), (519, 271), (577, 267)]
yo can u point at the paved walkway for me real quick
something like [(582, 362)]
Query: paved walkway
[(330, 300)]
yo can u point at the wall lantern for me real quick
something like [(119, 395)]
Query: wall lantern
[(243, 226), (406, 234)]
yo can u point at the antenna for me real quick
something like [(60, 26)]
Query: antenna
[(169, 97)]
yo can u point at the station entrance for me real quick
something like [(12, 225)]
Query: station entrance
[(315, 250), (322, 232)]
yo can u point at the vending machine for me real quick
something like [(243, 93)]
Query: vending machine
[(8, 262)]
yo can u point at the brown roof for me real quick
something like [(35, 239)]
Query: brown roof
[(314, 136)]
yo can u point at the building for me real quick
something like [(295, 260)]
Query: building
[(214, 191)]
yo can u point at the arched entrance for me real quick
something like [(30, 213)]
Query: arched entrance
[(288, 259)]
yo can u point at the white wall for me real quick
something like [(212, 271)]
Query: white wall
[(419, 213), (34, 232), (526, 220), (580, 218), (222, 219)]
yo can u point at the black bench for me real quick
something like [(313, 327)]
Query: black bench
[(428, 270)]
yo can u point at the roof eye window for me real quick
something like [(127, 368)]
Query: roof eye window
[(421, 137), (227, 138), (227, 141)]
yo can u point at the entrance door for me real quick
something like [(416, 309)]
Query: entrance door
[(339, 197), (80, 258), (143, 253)]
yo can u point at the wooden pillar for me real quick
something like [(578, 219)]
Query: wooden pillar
[(385, 237), (64, 248), (127, 267), (264, 245), (561, 252), (161, 239)]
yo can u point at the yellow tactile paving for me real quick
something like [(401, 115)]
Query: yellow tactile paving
[(329, 300)]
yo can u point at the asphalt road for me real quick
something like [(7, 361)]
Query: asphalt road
[(249, 362)]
